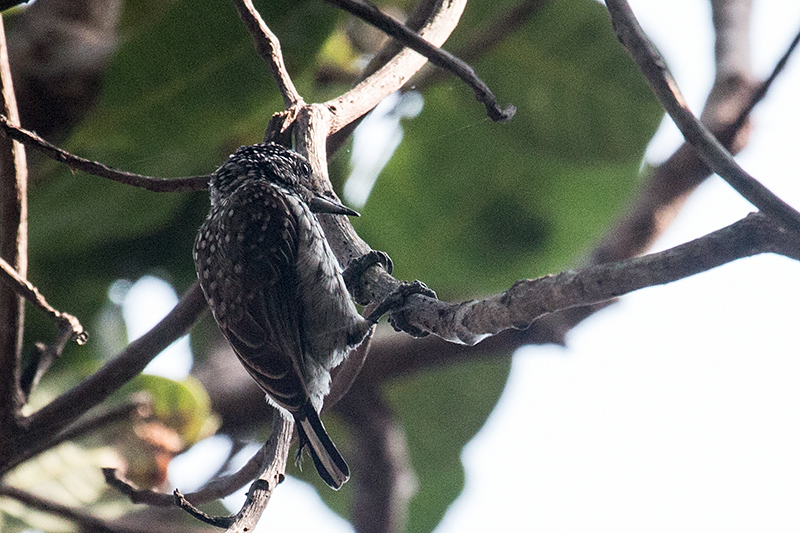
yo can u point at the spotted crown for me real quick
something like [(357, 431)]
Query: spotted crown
[(268, 161)]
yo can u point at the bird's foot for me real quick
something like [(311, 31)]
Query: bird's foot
[(395, 304), (352, 274)]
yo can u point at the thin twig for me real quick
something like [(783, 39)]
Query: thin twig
[(68, 328), (272, 473), (14, 248), (24, 288), (764, 87), (30, 139), (215, 489), (64, 410), (708, 147), (269, 47), (441, 58), (399, 68), (486, 37)]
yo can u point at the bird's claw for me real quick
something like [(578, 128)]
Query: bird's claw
[(358, 266), (395, 303)]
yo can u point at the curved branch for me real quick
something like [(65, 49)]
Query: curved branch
[(441, 58), (484, 39), (276, 452), (31, 140), (708, 147), (366, 95), (213, 490)]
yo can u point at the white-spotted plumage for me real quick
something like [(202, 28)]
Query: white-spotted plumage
[(275, 288)]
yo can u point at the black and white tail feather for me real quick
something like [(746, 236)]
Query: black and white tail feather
[(329, 463), (275, 288)]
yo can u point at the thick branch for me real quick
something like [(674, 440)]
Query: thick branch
[(708, 147), (269, 48), (86, 521), (30, 139), (14, 249), (65, 409)]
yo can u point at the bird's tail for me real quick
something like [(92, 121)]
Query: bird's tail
[(329, 462)]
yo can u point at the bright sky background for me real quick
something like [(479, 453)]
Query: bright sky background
[(677, 409)]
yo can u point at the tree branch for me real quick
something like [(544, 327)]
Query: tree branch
[(86, 521), (441, 58), (708, 147), (485, 38), (24, 288), (61, 412), (30, 139), (269, 47), (670, 183), (272, 474), (213, 490), (471, 321), (366, 95), (14, 249)]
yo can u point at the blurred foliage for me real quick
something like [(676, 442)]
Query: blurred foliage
[(466, 205), (69, 474)]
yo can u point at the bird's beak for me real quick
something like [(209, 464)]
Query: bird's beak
[(320, 204)]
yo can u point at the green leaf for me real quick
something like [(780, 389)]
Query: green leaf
[(181, 405)]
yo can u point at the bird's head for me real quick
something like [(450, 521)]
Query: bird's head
[(276, 164)]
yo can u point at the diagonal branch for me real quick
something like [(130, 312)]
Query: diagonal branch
[(269, 47), (669, 184), (64, 410), (485, 38), (24, 288), (441, 58), (85, 520), (708, 147), (396, 72), (527, 300), (30, 139)]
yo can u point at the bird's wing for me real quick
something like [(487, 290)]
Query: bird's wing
[(246, 257)]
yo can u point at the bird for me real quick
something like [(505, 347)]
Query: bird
[(276, 290)]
